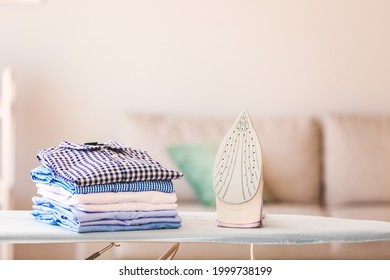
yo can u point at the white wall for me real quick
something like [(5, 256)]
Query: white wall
[(81, 65)]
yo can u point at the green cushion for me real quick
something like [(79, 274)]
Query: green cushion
[(196, 162)]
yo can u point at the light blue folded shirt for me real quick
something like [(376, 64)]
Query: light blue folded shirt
[(72, 213), (105, 228), (55, 213), (44, 175)]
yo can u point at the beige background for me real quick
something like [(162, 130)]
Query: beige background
[(81, 65)]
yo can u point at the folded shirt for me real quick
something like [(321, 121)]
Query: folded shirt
[(106, 228), (125, 206), (51, 212), (51, 207), (44, 175), (66, 197), (95, 164), (131, 222), (102, 228)]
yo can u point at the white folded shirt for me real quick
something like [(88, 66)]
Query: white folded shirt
[(126, 206), (61, 195)]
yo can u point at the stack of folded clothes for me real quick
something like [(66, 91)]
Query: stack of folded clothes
[(103, 187)]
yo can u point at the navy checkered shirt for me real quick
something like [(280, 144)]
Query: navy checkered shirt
[(85, 165)]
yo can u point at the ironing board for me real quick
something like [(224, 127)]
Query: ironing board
[(19, 227)]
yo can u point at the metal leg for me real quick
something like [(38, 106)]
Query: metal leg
[(170, 253), (97, 254)]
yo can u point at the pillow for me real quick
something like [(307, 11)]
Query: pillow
[(196, 162), (357, 158)]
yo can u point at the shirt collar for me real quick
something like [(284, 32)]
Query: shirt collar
[(113, 145)]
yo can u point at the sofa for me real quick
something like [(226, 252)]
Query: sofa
[(335, 165)]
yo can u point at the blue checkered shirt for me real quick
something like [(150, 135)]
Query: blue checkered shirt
[(85, 165)]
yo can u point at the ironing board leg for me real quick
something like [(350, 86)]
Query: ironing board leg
[(99, 253), (171, 252)]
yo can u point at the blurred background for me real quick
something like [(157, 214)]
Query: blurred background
[(81, 65)]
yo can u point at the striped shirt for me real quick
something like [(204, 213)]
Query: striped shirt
[(87, 165), (44, 175)]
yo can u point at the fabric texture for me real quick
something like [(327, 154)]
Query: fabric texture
[(61, 195), (54, 213), (47, 205), (85, 165), (196, 161), (103, 187), (125, 206), (44, 175), (357, 156)]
